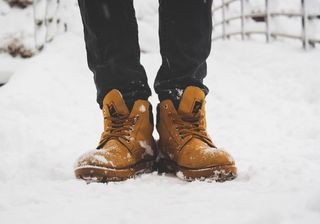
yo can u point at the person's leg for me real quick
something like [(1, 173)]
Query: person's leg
[(184, 144), (111, 37), (126, 146), (185, 28)]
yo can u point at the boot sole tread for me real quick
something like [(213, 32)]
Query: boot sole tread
[(219, 173), (104, 174)]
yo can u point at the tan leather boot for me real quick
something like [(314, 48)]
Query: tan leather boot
[(126, 148), (184, 146)]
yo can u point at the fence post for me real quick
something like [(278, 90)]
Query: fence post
[(212, 15), (242, 19), (226, 13), (268, 33), (223, 20), (246, 3), (35, 25), (305, 39), (48, 20), (39, 8)]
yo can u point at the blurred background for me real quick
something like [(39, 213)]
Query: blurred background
[(27, 26)]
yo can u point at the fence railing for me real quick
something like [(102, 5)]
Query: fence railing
[(47, 21), (266, 16)]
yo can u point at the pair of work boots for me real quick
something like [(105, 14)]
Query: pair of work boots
[(127, 147)]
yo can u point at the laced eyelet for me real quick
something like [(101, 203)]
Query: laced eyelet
[(136, 118)]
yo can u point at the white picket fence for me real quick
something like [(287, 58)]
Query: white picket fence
[(266, 16), (47, 21)]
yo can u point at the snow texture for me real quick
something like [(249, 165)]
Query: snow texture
[(148, 149), (263, 108)]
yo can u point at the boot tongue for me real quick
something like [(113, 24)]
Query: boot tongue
[(191, 100), (114, 104)]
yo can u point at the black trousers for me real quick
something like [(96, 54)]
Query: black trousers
[(111, 37)]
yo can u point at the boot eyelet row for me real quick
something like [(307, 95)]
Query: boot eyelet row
[(136, 119)]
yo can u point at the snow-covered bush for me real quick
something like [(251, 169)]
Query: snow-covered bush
[(19, 3), (15, 47)]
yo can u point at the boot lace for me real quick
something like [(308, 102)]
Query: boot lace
[(191, 125), (120, 127)]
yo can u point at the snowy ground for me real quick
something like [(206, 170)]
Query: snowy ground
[(264, 108)]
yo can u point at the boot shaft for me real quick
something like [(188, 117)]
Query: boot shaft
[(190, 115), (131, 128)]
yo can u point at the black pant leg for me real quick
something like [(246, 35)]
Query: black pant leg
[(185, 28), (111, 37)]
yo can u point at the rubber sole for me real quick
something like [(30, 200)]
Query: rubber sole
[(103, 174), (215, 173)]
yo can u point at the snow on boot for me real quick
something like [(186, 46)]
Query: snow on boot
[(184, 146), (126, 148)]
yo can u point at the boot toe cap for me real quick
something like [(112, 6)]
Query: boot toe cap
[(107, 158), (199, 155)]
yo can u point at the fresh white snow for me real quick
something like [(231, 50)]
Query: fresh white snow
[(142, 109), (263, 108), (148, 149)]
